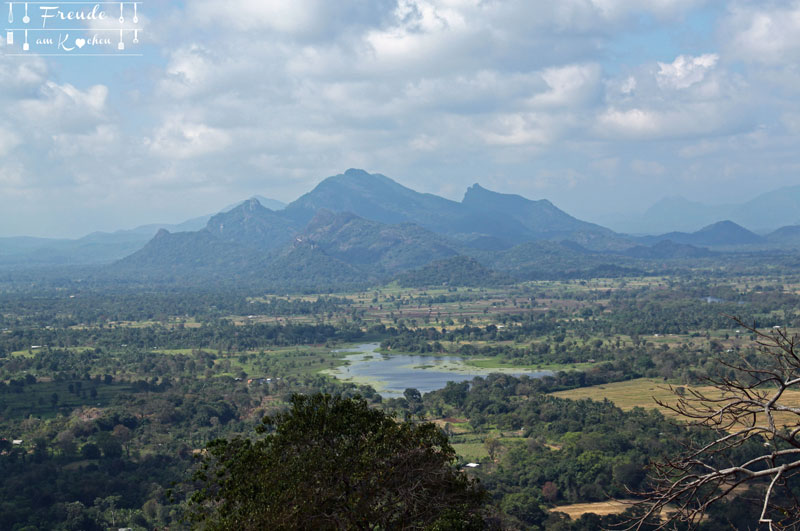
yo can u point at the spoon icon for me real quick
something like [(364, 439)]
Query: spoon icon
[(136, 36), (121, 18), (135, 16), (26, 18), (11, 12)]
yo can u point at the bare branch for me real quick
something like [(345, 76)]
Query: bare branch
[(748, 407)]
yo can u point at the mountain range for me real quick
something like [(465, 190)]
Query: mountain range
[(358, 228), (763, 213), (98, 247)]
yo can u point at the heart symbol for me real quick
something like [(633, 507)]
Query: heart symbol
[(80, 42)]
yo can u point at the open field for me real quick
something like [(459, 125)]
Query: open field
[(627, 395), (642, 392), (576, 510), (471, 451)]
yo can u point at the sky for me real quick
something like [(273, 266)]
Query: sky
[(601, 106)]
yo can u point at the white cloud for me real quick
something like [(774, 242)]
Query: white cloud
[(568, 85), (289, 17), (65, 107), (518, 130), (764, 32), (180, 138), (685, 70), (628, 85), (642, 124)]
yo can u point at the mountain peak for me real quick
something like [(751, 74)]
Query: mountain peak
[(252, 204), (356, 172), (726, 225), (716, 234), (476, 193)]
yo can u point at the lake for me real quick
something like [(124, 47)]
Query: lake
[(391, 374)]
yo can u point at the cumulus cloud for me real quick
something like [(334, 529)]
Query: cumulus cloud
[(764, 32), (568, 85), (269, 96), (181, 138), (685, 70), (65, 107)]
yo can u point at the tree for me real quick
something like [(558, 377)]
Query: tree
[(90, 451), (754, 448), (335, 463)]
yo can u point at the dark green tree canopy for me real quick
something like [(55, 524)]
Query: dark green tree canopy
[(335, 463)]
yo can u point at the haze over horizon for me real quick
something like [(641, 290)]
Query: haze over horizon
[(603, 107)]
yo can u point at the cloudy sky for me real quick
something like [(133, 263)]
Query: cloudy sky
[(602, 106)]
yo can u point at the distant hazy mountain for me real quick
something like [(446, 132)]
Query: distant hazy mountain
[(253, 225), (266, 202), (256, 244), (378, 198), (170, 257), (374, 246), (770, 210), (92, 249), (484, 218), (541, 219), (722, 233), (97, 247), (357, 228), (788, 236), (763, 213)]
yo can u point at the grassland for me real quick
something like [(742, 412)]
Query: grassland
[(576, 510), (643, 392)]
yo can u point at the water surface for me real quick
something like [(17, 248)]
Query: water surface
[(391, 374)]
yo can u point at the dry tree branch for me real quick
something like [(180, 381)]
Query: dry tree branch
[(740, 410)]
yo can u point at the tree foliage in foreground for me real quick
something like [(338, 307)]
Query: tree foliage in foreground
[(334, 463)]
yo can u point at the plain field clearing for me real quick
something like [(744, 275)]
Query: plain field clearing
[(641, 392), (576, 510), (471, 451)]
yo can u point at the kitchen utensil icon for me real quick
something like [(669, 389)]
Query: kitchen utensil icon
[(25, 45), (135, 16), (121, 18), (11, 12), (26, 19), (9, 37), (136, 36), (121, 45)]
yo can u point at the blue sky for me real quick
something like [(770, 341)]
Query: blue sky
[(601, 106)]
